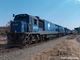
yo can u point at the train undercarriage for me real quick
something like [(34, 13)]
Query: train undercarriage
[(21, 39)]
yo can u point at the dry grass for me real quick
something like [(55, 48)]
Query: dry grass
[(66, 50), (3, 40)]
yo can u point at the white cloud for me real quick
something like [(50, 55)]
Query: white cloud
[(78, 0), (74, 1)]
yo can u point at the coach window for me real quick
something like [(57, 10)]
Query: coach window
[(35, 22)]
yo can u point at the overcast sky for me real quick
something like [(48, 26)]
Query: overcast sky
[(63, 12)]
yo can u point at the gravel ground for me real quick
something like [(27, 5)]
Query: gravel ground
[(25, 53), (65, 50)]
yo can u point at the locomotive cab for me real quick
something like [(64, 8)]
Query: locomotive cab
[(22, 21), (25, 22)]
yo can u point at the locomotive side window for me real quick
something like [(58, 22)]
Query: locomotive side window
[(35, 22)]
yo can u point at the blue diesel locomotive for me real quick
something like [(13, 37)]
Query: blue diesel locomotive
[(26, 29)]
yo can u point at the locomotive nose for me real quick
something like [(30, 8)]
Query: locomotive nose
[(18, 26)]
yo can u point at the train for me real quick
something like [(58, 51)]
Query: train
[(28, 29), (77, 30)]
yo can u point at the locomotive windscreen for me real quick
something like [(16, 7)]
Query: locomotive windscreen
[(22, 17)]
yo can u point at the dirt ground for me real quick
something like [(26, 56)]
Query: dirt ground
[(64, 48), (3, 39), (69, 49)]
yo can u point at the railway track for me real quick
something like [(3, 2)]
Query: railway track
[(4, 48)]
